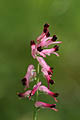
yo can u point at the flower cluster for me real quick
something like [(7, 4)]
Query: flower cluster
[(39, 50)]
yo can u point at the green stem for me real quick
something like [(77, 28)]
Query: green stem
[(36, 98)]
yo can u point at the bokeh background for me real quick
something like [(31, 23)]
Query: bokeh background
[(22, 21)]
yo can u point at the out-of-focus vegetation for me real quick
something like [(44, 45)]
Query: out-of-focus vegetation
[(22, 21)]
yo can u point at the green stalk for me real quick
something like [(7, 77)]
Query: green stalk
[(35, 117)]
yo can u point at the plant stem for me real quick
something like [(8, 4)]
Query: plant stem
[(36, 98)]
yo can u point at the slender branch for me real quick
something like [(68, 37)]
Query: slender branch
[(36, 98)]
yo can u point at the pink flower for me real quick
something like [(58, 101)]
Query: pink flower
[(46, 105), (25, 94), (46, 41), (41, 36), (46, 69), (45, 33), (29, 76), (47, 75), (50, 42), (44, 64), (45, 52), (33, 49), (30, 93), (35, 88), (47, 91)]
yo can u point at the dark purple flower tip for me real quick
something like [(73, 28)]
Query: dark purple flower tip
[(56, 47), (53, 106), (30, 94), (54, 38), (56, 94), (32, 42), (46, 25), (51, 82), (20, 94), (49, 73), (39, 49), (45, 30), (23, 81), (51, 68), (48, 34)]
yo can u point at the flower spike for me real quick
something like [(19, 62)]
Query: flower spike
[(39, 51)]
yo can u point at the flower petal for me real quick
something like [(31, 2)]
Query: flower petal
[(33, 49), (25, 94), (35, 88), (45, 105), (29, 76), (47, 91)]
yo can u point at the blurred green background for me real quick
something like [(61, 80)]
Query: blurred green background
[(22, 21)]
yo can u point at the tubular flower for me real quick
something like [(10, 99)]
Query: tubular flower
[(47, 91), (29, 76), (47, 75), (35, 88), (46, 69), (44, 34), (30, 93), (53, 50), (48, 41), (44, 64), (25, 94), (33, 49), (46, 105)]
